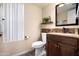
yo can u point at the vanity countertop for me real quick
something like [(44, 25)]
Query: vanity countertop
[(65, 34)]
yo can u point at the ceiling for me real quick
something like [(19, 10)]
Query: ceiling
[(41, 4)]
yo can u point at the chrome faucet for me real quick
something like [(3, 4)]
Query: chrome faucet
[(65, 30)]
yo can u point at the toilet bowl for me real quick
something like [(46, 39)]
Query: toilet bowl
[(39, 46)]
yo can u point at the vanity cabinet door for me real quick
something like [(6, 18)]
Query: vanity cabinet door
[(67, 50), (52, 49)]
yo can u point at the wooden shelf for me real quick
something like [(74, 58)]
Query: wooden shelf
[(48, 23)]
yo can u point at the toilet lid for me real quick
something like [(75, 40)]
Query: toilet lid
[(38, 44)]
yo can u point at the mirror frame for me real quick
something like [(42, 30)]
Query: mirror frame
[(65, 24)]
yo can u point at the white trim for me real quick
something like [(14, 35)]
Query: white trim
[(23, 52)]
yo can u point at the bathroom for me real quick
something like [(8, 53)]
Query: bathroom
[(33, 26)]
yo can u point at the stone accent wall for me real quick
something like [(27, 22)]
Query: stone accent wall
[(59, 30)]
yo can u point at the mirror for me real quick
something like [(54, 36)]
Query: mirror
[(66, 14)]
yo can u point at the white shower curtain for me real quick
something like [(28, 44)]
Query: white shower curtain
[(13, 25)]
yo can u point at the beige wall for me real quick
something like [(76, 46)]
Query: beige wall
[(32, 21), (33, 16), (46, 11)]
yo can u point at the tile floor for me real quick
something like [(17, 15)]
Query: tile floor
[(31, 53)]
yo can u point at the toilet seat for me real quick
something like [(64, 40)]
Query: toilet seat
[(38, 44)]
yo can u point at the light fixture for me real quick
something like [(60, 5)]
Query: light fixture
[(61, 5)]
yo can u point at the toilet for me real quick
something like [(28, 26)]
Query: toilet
[(39, 46)]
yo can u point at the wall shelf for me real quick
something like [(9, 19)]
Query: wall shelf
[(48, 23)]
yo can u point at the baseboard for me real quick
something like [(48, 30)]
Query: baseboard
[(4, 54), (21, 53)]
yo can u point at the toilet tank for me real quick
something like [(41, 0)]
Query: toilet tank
[(44, 37)]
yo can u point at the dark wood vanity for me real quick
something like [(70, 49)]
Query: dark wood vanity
[(59, 45)]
